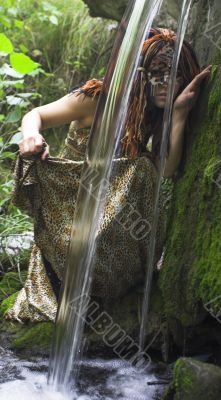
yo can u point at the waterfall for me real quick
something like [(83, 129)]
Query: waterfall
[(104, 138), (182, 25)]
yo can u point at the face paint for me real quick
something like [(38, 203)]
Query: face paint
[(160, 67), (157, 78)]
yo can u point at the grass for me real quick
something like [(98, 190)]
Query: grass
[(71, 47)]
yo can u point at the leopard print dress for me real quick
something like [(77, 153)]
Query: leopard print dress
[(47, 191)]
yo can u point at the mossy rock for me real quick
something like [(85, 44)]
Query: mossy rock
[(194, 380), (10, 283), (27, 339), (190, 279), (34, 337)]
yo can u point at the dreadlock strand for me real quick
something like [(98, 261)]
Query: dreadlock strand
[(91, 88)]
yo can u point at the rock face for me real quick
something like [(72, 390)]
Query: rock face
[(115, 10), (191, 269), (194, 380), (190, 280), (107, 9), (15, 250), (206, 33), (29, 338)]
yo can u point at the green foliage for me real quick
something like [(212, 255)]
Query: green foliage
[(6, 45), (22, 63), (7, 303), (11, 283), (46, 48), (11, 218)]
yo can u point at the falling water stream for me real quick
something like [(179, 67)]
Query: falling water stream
[(182, 25), (104, 138)]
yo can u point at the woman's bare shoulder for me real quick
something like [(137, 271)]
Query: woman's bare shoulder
[(71, 107)]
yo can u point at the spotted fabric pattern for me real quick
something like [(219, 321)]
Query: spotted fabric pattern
[(47, 190)]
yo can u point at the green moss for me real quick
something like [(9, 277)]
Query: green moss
[(184, 377), (191, 273), (11, 283), (7, 303), (196, 380), (184, 381), (212, 169), (34, 336)]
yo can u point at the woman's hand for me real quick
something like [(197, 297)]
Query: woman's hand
[(187, 99), (34, 144), (69, 108)]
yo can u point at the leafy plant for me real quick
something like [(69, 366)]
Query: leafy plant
[(46, 47)]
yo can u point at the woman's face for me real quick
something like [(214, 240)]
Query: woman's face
[(158, 77)]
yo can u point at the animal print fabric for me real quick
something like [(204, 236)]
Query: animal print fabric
[(47, 191)]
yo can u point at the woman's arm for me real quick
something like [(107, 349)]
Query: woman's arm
[(176, 142), (182, 105), (69, 108)]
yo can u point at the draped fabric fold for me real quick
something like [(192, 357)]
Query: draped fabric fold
[(47, 190)]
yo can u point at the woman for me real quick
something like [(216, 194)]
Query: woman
[(47, 189)]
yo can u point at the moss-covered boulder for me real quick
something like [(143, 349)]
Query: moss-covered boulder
[(125, 316), (30, 339), (34, 338), (194, 380), (190, 280)]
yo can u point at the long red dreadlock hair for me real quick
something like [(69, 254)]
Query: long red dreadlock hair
[(143, 119)]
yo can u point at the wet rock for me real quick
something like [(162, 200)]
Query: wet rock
[(15, 250), (123, 315), (190, 279), (13, 244), (115, 10), (27, 339), (107, 9), (194, 380), (206, 34)]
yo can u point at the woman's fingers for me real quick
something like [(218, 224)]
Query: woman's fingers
[(39, 143), (45, 153), (199, 78), (27, 146), (34, 144), (188, 97)]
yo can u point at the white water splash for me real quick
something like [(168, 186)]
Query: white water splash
[(99, 379), (23, 382), (23, 390)]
